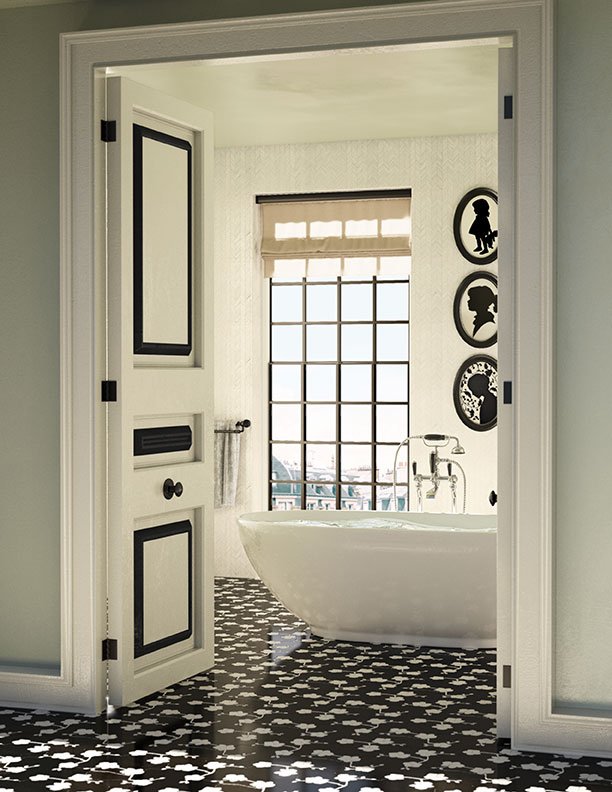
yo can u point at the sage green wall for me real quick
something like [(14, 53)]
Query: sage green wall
[(29, 317), (584, 353)]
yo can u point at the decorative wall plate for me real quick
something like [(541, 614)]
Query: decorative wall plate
[(475, 393), (475, 309), (475, 225)]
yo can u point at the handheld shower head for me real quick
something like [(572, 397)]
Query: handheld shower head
[(458, 449), (440, 440)]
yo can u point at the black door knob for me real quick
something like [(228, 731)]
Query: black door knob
[(170, 489), (493, 497)]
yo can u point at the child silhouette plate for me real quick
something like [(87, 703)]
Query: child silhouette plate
[(475, 226), (475, 393), (475, 309)]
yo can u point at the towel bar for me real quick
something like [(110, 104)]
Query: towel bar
[(240, 427)]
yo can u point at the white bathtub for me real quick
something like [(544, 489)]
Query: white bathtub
[(423, 579)]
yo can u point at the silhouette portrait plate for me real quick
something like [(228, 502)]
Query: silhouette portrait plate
[(475, 225), (475, 309), (475, 393)]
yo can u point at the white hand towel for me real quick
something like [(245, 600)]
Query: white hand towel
[(227, 461)]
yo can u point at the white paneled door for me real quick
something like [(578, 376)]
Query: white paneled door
[(160, 428)]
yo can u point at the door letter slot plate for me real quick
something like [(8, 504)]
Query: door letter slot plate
[(162, 440)]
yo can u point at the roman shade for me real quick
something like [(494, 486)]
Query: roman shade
[(360, 237)]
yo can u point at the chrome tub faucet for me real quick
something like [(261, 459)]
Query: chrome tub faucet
[(435, 442)]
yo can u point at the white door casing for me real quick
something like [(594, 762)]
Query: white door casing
[(159, 209), (83, 590), (506, 86)]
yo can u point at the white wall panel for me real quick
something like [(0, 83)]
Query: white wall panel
[(440, 170)]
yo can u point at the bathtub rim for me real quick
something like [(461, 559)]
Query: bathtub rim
[(298, 518)]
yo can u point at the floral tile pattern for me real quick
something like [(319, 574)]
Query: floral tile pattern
[(289, 712)]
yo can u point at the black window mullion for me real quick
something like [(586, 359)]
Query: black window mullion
[(407, 500), (338, 391), (270, 485), (374, 398), (303, 502)]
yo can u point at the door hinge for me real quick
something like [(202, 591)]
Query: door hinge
[(109, 390), (508, 107), (506, 676), (508, 392), (109, 649), (108, 131)]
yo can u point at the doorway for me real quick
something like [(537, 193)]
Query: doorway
[(412, 118), (329, 30)]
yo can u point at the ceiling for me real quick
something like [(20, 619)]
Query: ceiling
[(448, 89)]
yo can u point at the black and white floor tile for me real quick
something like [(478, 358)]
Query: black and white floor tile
[(288, 712)]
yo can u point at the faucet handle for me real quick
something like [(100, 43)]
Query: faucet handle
[(449, 469), (414, 468), (432, 462)]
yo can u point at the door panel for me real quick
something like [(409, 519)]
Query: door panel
[(162, 241), (163, 586), (149, 484), (160, 575)]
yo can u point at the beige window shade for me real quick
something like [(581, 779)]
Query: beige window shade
[(362, 236)]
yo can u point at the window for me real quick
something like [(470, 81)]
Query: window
[(339, 351)]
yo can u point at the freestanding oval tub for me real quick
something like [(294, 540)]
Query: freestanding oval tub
[(405, 578)]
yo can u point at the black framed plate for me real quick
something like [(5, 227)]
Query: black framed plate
[(475, 225), (475, 393), (475, 309)]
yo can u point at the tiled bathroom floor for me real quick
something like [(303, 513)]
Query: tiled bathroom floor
[(292, 713)]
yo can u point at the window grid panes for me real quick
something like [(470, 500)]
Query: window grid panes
[(338, 392)]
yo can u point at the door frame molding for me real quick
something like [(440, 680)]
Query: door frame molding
[(82, 273)]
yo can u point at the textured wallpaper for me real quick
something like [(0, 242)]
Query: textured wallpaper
[(440, 170)]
